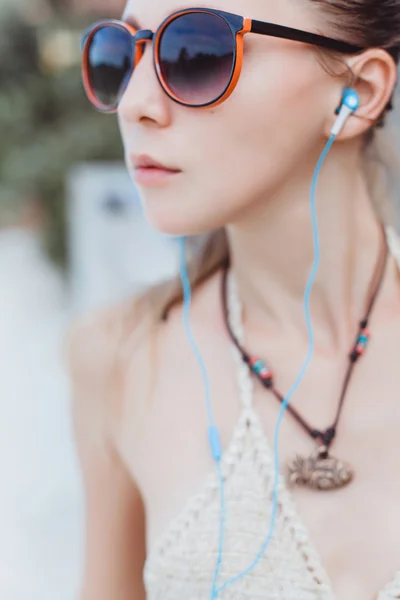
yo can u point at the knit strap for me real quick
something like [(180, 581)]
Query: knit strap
[(393, 243)]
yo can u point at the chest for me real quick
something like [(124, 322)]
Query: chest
[(356, 531)]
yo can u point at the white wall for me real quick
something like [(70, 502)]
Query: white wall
[(40, 493), (41, 498), (113, 253)]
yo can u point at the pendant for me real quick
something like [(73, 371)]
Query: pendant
[(320, 472)]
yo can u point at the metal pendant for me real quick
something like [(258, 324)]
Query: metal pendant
[(320, 472)]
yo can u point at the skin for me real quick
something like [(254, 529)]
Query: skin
[(254, 179)]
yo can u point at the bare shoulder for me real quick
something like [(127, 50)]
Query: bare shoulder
[(112, 356), (99, 348), (95, 348)]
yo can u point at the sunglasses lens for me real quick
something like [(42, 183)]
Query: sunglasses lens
[(196, 57), (110, 57)]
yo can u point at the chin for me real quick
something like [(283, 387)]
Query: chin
[(173, 224), (170, 214)]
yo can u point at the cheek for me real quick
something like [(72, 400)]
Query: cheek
[(279, 101), (270, 125), (122, 129), (240, 151)]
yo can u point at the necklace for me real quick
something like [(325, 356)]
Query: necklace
[(321, 470)]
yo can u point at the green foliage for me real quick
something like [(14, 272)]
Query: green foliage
[(46, 124)]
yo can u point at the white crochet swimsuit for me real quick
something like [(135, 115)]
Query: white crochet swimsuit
[(182, 562)]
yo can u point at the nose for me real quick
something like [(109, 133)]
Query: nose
[(144, 98)]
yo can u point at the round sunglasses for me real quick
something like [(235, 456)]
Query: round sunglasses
[(197, 55)]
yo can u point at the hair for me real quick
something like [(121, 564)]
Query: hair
[(367, 23)]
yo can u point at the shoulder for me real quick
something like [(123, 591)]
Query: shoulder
[(99, 348), (93, 338)]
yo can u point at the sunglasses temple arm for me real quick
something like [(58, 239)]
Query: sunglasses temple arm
[(297, 35)]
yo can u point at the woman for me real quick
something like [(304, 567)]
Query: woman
[(236, 156)]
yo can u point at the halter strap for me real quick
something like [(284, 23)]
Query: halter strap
[(235, 312)]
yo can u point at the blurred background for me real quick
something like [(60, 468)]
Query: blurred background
[(72, 237)]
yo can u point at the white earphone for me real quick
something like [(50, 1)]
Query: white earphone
[(350, 103)]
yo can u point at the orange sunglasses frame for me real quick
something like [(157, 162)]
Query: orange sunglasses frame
[(239, 27)]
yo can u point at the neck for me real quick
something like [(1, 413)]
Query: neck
[(272, 253)]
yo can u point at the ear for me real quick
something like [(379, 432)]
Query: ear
[(373, 74)]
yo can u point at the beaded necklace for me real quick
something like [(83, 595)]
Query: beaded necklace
[(321, 470)]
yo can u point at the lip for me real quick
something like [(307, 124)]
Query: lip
[(148, 171)]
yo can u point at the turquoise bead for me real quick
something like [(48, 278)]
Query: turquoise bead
[(259, 366)]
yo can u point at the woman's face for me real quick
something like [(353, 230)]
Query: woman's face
[(231, 158)]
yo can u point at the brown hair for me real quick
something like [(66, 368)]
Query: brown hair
[(368, 23)]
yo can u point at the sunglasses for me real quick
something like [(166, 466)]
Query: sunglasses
[(197, 55)]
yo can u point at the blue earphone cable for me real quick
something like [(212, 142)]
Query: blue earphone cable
[(213, 431), (302, 371)]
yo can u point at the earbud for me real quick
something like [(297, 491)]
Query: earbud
[(350, 103)]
